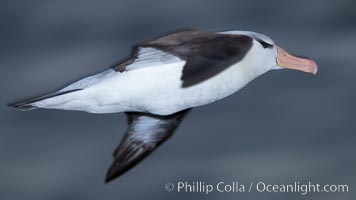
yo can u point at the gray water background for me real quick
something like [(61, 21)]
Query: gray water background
[(285, 126)]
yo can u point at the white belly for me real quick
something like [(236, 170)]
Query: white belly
[(158, 90)]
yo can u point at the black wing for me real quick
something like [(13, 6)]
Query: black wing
[(213, 57), (144, 134), (206, 54)]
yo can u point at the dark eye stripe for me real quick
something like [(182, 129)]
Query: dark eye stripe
[(264, 44)]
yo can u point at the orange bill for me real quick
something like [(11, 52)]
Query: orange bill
[(286, 60)]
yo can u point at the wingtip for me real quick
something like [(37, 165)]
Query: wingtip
[(11, 105), (111, 175), (107, 180), (19, 106)]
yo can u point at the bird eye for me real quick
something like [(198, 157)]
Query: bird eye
[(264, 44)]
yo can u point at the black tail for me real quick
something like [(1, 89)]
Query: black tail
[(27, 104)]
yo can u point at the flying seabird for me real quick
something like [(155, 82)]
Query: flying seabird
[(164, 78)]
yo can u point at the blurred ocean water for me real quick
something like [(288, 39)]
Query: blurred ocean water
[(283, 127)]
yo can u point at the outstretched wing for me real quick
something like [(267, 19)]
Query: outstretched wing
[(205, 54), (144, 134)]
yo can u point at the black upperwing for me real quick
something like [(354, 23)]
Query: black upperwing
[(205, 54)]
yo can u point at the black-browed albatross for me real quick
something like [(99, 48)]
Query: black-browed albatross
[(164, 79)]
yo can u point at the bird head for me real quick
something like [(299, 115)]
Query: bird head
[(275, 57)]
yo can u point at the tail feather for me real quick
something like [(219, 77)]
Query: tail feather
[(28, 103)]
